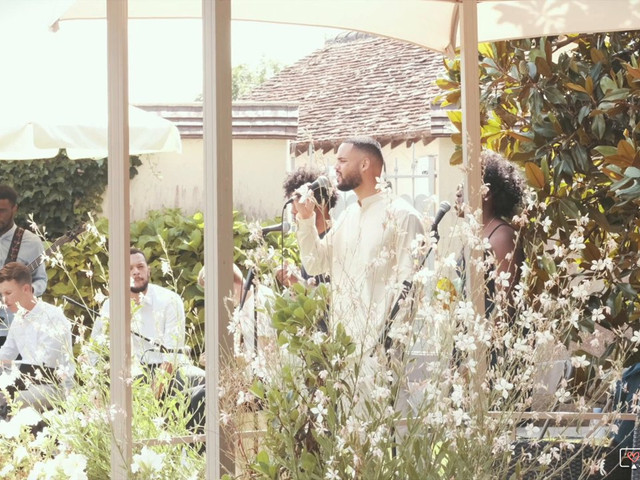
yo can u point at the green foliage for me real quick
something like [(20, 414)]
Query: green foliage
[(566, 109), (244, 78), (60, 192)]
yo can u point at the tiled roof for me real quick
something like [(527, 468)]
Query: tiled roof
[(359, 85), (248, 119)]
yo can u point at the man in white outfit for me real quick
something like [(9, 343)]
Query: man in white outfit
[(157, 321), (368, 250), (41, 335)]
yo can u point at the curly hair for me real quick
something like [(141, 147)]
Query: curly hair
[(304, 175), (504, 182)]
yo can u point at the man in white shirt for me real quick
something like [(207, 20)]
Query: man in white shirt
[(41, 335), (157, 323), (368, 251)]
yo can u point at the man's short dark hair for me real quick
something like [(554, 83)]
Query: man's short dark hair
[(368, 145), (8, 193), (137, 251), (304, 175), (15, 271)]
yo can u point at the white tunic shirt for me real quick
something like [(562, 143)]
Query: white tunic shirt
[(42, 336), (160, 318), (368, 255)]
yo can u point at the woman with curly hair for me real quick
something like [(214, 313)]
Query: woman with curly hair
[(500, 202)]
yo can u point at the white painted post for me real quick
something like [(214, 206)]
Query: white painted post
[(471, 148), (218, 214), (118, 214)]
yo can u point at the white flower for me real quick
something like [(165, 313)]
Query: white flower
[(74, 466), (546, 223), (562, 395), (19, 454), (6, 470), (503, 386), (25, 417), (305, 193), (382, 185), (544, 459), (580, 361), (332, 474), (148, 460), (577, 242), (165, 266), (319, 411), (318, 338), (531, 429), (636, 336)]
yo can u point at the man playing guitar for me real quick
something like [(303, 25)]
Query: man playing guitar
[(17, 244)]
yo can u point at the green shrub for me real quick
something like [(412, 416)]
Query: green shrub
[(58, 191)]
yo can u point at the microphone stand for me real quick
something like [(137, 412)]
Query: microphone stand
[(159, 346), (245, 290), (385, 340)]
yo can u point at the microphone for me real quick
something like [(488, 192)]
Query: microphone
[(442, 211), (321, 182), (247, 285), (283, 227)]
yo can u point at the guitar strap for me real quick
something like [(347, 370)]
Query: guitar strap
[(12, 256)]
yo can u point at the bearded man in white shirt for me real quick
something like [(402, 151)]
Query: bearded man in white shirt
[(157, 323), (41, 335), (368, 251)]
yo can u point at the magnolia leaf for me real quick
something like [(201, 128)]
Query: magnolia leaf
[(612, 174), (456, 138), (591, 253), (543, 67), (625, 149), (606, 150), (588, 85), (598, 126), (578, 88), (456, 158), (597, 56), (519, 136), (634, 72), (616, 94), (632, 172), (455, 116), (618, 160), (569, 208), (607, 85), (534, 174), (486, 50), (632, 191)]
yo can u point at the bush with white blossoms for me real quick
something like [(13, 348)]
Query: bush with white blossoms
[(75, 442), (448, 398)]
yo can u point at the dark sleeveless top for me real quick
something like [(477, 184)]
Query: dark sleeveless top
[(489, 304)]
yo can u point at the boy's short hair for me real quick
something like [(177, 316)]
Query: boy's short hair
[(15, 271)]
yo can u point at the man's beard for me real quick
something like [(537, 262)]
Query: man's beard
[(349, 183), (141, 288)]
